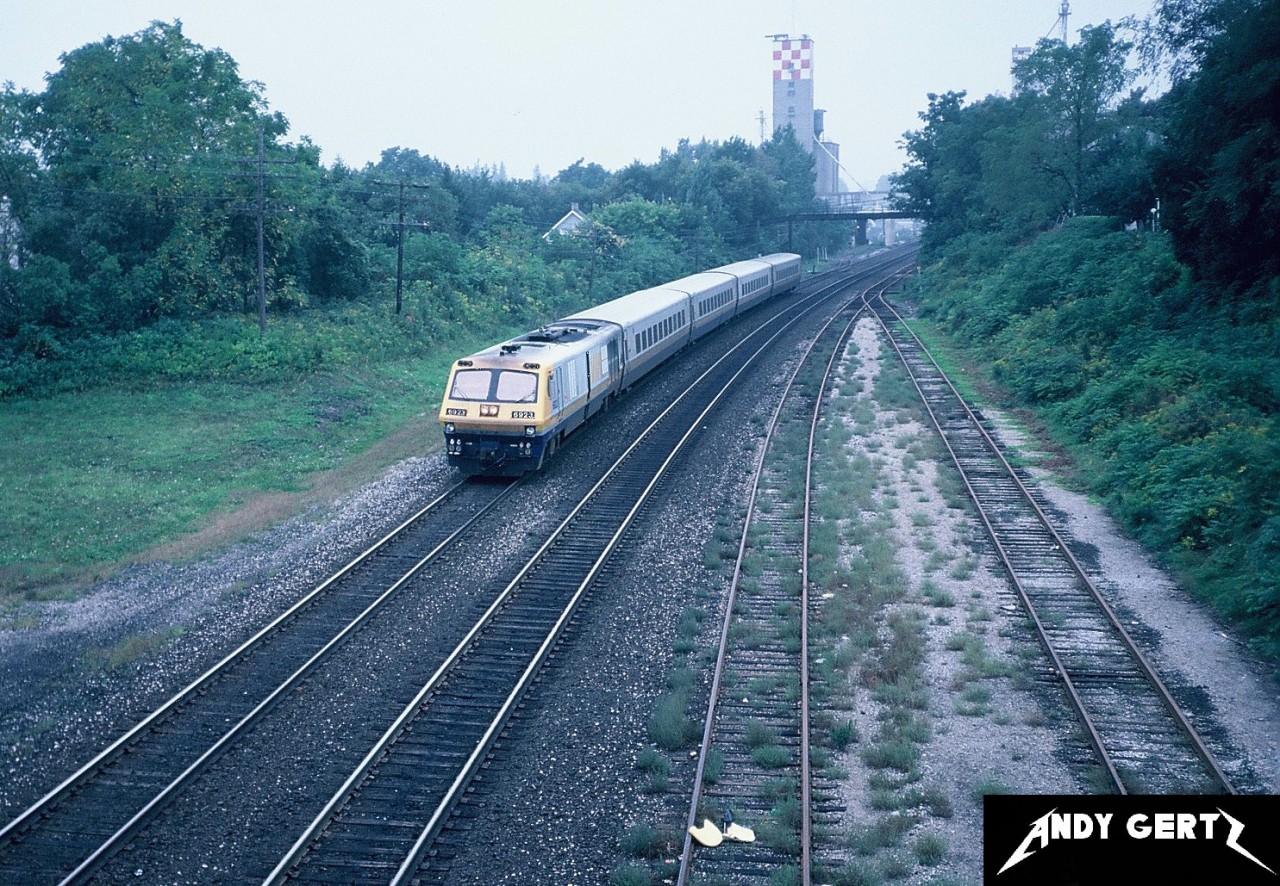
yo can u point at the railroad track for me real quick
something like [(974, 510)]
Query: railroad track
[(1141, 737), (754, 768), (116, 797), (400, 815), (70, 832)]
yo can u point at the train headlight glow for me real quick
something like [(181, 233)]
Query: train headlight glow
[(489, 409), (449, 428), (530, 430)]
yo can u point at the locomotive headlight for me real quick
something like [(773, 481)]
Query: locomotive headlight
[(530, 430), (449, 428)]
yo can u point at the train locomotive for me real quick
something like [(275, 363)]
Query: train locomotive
[(507, 408)]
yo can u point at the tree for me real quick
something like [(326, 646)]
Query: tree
[(734, 196), (591, 176), (1072, 91), (650, 239), (1180, 33), (785, 161), (138, 139), (1015, 166), (1219, 168), (131, 193), (950, 170)]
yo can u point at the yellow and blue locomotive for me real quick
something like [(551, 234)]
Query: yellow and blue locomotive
[(508, 407)]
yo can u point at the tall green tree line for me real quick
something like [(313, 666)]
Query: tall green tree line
[(1075, 139), (130, 188), (1068, 141)]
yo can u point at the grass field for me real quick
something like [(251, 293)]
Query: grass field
[(95, 480)]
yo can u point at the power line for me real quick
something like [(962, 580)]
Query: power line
[(262, 273), (836, 160)]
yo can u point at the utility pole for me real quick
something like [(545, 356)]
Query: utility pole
[(401, 185), (400, 248), (262, 208), (1063, 12), (258, 208), (761, 119), (595, 249)]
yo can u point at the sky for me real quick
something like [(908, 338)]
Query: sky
[(534, 85)]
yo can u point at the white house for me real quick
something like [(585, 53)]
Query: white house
[(573, 219)]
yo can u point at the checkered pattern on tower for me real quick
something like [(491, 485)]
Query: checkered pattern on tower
[(793, 60)]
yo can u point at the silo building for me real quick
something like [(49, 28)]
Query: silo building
[(793, 106)]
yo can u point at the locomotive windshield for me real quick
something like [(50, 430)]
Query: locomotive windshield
[(494, 386)]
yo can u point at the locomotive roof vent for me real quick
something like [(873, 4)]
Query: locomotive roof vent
[(546, 333)]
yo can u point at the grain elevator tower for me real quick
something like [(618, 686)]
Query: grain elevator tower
[(793, 106), (793, 87)]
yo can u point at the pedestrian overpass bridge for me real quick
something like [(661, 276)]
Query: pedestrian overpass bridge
[(856, 206)]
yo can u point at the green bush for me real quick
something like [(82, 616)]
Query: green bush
[(758, 734), (843, 734), (895, 753), (669, 725), (714, 767), (930, 848), (787, 875), (630, 875), (653, 761), (855, 874), (771, 756), (228, 348), (646, 841)]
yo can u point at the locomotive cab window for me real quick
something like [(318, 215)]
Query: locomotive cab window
[(494, 386)]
